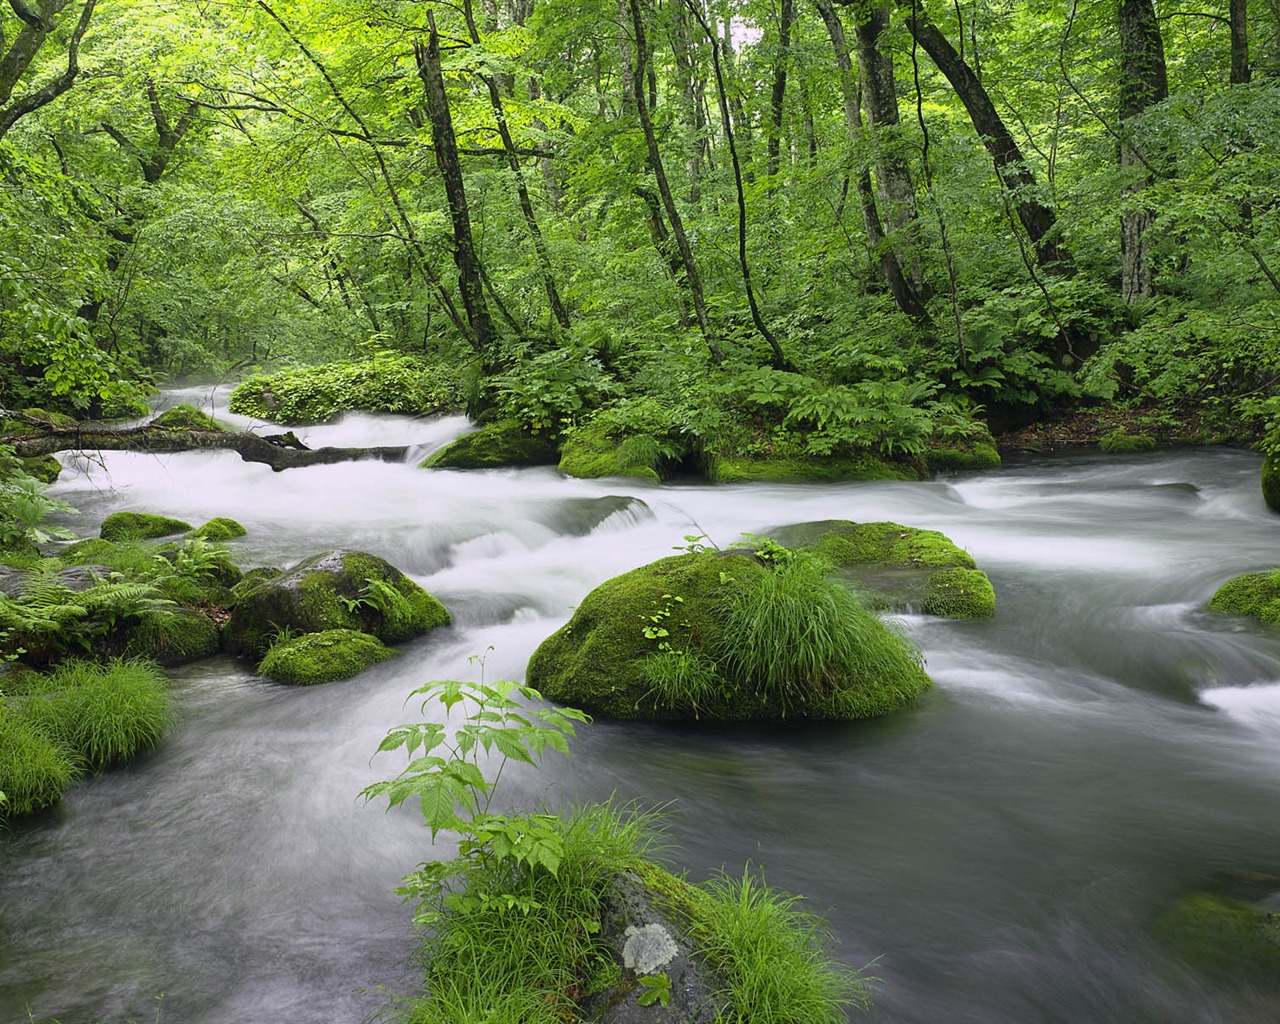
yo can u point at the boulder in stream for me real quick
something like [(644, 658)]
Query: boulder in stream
[(726, 636), (898, 567), (219, 528), (494, 446), (1255, 595), (323, 657), (140, 526), (338, 590), (1227, 940)]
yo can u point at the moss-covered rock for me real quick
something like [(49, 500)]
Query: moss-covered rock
[(45, 468), (323, 657), (140, 526), (807, 469), (491, 447), (1255, 594), (1225, 939), (726, 636), (953, 457), (253, 578), (1117, 441), (219, 528), (186, 417), (172, 636), (339, 590), (590, 452), (1271, 482), (898, 567)]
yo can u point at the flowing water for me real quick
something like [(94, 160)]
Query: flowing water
[(999, 850)]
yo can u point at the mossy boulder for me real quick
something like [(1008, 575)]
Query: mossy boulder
[(1117, 442), (491, 447), (1225, 939), (186, 417), (1255, 594), (338, 590), (219, 528), (807, 469), (1271, 482), (45, 468), (253, 578), (140, 526), (323, 657), (962, 456), (172, 636), (898, 567), (726, 636), (592, 451)]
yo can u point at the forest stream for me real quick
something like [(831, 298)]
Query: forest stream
[(996, 853)]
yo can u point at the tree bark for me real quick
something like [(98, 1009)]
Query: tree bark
[(1011, 166), (692, 281), (1239, 12), (777, 95), (1143, 82), (13, 65), (446, 149)]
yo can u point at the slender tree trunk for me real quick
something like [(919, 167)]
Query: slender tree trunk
[(1239, 10), (1143, 82), (664, 190), (741, 122), (904, 291), (691, 87), (777, 96), (779, 358), (624, 58), (1037, 219), (446, 148)]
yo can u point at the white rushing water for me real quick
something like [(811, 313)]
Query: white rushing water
[(1098, 750)]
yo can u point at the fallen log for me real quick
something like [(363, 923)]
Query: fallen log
[(279, 453)]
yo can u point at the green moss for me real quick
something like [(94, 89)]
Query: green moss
[(45, 468), (1225, 939), (1117, 441), (218, 529), (323, 657), (807, 469), (140, 526), (252, 579), (186, 417), (842, 542), (341, 590), (960, 457), (172, 636), (104, 713), (754, 633), (34, 769), (590, 452), (1256, 595), (1271, 481), (494, 446), (52, 419), (959, 594)]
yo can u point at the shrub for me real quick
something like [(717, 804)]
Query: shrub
[(34, 770)]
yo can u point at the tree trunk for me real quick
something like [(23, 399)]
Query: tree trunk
[(624, 59), (664, 190), (1143, 82), (786, 17), (691, 87), (904, 291), (446, 149), (1239, 10), (1011, 167), (36, 27)]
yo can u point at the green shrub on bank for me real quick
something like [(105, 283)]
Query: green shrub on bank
[(388, 382), (34, 769), (105, 714)]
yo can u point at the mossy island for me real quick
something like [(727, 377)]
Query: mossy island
[(738, 635), (896, 567), (1255, 595)]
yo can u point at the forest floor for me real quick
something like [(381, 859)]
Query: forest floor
[(1077, 428)]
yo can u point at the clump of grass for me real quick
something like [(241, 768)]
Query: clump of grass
[(34, 770), (514, 942), (103, 713), (794, 634), (680, 679), (773, 955)]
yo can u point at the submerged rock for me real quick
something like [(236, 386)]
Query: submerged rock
[(338, 590), (140, 526), (900, 567), (1225, 939), (494, 446), (726, 636), (323, 657)]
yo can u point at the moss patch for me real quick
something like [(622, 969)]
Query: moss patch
[(323, 657), (218, 529), (140, 526), (982, 455), (590, 452), (186, 417), (45, 468), (1118, 441), (1256, 595), (172, 636), (340, 590), (494, 446), (1271, 482), (724, 636), (959, 594), (807, 469), (1225, 939)]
